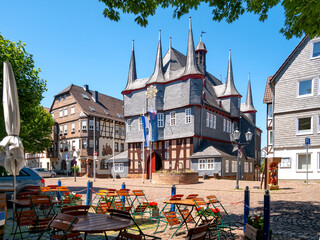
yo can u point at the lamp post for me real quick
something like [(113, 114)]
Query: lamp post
[(235, 139), (76, 154)]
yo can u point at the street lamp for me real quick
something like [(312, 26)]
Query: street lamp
[(76, 154), (235, 139)]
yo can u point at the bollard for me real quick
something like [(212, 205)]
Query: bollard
[(246, 207), (89, 192), (173, 192), (59, 185), (266, 216), (123, 199)]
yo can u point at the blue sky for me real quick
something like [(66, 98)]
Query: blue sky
[(72, 42)]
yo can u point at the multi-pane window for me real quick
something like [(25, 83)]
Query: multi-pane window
[(60, 113), (214, 121), (202, 164), (208, 120), (188, 115), (166, 155), (166, 145), (227, 166), (97, 125), (73, 127), (224, 124), (210, 164), (172, 118), (91, 125), (285, 162), (270, 137), (129, 125), (234, 166), (160, 120), (84, 125), (84, 143), (117, 130), (211, 120), (122, 131), (246, 167), (118, 167), (316, 49), (122, 147), (72, 110), (116, 147), (91, 143), (304, 125), (206, 164), (305, 87), (66, 112), (60, 130), (302, 161), (65, 129)]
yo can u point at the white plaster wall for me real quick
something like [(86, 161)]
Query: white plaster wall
[(293, 173)]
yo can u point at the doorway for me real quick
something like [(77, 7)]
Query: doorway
[(156, 164)]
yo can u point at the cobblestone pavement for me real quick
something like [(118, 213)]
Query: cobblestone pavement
[(295, 208)]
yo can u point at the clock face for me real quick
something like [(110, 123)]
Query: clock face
[(151, 91)]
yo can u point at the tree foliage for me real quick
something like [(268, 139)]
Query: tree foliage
[(301, 16), (36, 123)]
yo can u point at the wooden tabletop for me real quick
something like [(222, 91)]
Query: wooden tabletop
[(98, 223), (27, 202), (184, 202), (4, 190)]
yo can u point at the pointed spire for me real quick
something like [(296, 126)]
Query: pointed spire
[(249, 103), (230, 89), (157, 75), (191, 67), (132, 69)]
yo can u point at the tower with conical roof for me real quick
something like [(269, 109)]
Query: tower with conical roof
[(230, 98), (132, 75), (201, 52), (247, 108)]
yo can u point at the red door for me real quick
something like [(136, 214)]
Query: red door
[(153, 165)]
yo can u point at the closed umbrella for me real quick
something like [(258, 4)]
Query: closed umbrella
[(14, 152)]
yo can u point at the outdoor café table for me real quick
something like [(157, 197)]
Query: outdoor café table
[(182, 202), (100, 223)]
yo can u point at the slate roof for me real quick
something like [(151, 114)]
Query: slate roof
[(206, 150), (106, 107), (248, 105), (121, 157), (267, 92), (201, 46)]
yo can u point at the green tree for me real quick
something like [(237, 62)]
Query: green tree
[(36, 123), (301, 16)]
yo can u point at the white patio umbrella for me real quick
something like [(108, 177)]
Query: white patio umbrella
[(14, 151)]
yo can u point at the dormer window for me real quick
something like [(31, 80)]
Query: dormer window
[(85, 96), (92, 109)]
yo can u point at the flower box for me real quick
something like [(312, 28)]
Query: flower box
[(155, 213), (253, 233)]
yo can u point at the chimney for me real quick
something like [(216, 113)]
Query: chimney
[(95, 96), (86, 87)]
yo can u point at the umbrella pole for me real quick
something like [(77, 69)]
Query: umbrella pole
[(14, 191)]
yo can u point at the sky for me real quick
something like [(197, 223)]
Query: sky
[(73, 43)]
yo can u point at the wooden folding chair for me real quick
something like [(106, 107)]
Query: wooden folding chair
[(60, 227), (124, 202), (43, 206), (78, 210), (25, 218), (197, 233), (141, 205), (124, 234)]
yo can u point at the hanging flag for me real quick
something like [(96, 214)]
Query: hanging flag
[(154, 124), (145, 125)]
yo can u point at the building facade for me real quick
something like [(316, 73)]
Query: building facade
[(292, 96), (87, 122), (195, 115)]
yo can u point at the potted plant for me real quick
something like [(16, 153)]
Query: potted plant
[(74, 197), (153, 206), (254, 227)]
